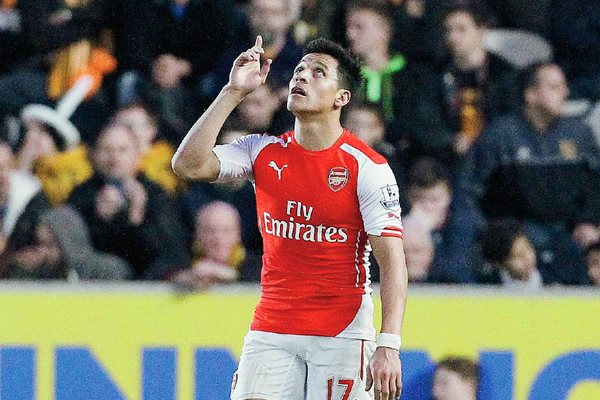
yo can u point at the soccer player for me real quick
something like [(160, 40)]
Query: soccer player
[(324, 200)]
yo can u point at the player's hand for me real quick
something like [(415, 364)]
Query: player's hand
[(384, 374), (248, 73)]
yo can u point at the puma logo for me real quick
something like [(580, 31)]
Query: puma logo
[(273, 165)]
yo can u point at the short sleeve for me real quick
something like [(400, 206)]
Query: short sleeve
[(379, 199), (237, 158)]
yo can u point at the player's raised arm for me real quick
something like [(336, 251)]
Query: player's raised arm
[(385, 371), (194, 158)]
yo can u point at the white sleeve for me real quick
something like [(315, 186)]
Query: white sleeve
[(378, 196), (237, 158)]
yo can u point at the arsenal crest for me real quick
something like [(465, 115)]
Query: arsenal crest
[(338, 177)]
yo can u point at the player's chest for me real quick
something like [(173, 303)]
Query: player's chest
[(328, 182)]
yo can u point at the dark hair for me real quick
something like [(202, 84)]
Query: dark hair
[(426, 172), (480, 17), (496, 239), (463, 366), (349, 68), (529, 77)]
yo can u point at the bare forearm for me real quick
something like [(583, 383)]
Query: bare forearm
[(393, 292), (393, 282), (194, 158)]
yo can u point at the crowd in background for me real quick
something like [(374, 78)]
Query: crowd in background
[(487, 111)]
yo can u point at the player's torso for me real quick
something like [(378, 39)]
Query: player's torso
[(314, 189), (313, 235)]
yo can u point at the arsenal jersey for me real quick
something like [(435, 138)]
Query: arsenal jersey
[(315, 212)]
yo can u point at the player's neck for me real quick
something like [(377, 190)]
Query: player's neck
[(317, 135)]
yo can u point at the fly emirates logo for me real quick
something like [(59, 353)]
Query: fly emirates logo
[(292, 229)]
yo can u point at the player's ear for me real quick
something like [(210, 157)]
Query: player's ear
[(342, 98)]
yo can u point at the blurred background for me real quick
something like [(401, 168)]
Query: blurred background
[(117, 275)]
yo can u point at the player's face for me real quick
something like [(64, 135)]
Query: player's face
[(314, 87)]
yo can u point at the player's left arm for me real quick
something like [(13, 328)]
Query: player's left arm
[(385, 371)]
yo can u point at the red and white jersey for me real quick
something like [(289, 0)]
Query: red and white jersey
[(315, 212)]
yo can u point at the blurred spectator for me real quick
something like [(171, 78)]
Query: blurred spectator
[(62, 250), (60, 41), (593, 263), (470, 87), (273, 20), (128, 215), (264, 111), (169, 94), (390, 80), (155, 161), (575, 35), (165, 47), (456, 378), (314, 20), (453, 227), (12, 42), (420, 33), (49, 146), (535, 166), (418, 249), (16, 191), (366, 121), (219, 256), (418, 27), (239, 193), (505, 246)]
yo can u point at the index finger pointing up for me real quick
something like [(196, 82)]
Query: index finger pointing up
[(258, 42)]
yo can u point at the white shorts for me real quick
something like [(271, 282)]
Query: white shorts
[(276, 366)]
